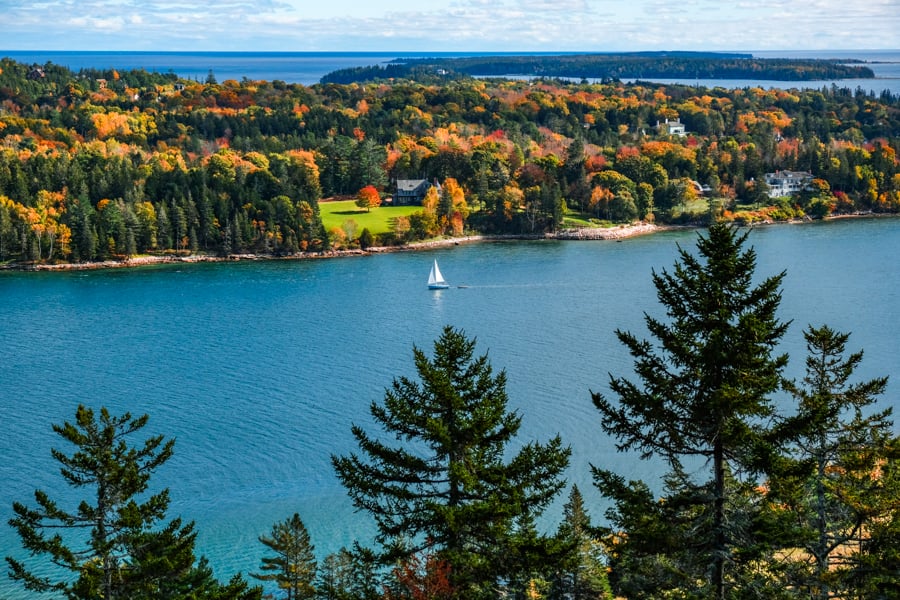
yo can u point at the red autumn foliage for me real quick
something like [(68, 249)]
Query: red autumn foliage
[(423, 577), (368, 198)]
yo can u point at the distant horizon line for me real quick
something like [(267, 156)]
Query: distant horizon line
[(438, 52)]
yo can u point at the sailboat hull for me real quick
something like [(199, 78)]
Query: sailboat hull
[(438, 286)]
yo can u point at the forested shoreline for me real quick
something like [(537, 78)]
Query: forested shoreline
[(107, 165), (633, 65)]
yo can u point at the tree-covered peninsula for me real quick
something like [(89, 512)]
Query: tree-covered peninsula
[(107, 165), (631, 65)]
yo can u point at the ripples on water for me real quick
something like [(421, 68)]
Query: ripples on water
[(259, 369)]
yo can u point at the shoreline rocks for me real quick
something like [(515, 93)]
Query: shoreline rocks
[(609, 233), (606, 233)]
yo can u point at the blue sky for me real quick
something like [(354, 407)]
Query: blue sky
[(448, 25)]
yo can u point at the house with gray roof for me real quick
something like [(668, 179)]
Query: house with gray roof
[(787, 183), (411, 192)]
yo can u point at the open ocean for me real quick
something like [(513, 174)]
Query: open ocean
[(308, 68)]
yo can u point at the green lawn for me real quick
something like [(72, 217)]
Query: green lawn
[(378, 220), (574, 218)]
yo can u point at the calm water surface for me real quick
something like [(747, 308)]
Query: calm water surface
[(309, 67), (258, 370)]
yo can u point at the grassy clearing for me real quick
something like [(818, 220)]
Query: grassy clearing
[(698, 205), (574, 218), (378, 220)]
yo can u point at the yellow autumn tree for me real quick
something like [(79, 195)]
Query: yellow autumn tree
[(44, 222), (457, 211), (431, 201), (110, 124)]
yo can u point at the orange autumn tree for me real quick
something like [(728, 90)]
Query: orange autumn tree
[(599, 201), (368, 198), (453, 209)]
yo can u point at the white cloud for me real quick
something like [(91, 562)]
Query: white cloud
[(451, 25)]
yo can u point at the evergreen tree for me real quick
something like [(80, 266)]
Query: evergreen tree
[(85, 233), (366, 239), (574, 175), (366, 160), (293, 567), (448, 484), (351, 575), (655, 547), (202, 585), (826, 482), (875, 569), (582, 573), (164, 227), (658, 546), (527, 560), (704, 392), (123, 556), (334, 578)]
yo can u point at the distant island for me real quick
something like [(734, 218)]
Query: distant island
[(630, 65)]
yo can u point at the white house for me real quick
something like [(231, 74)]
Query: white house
[(787, 183), (671, 127), (701, 188)]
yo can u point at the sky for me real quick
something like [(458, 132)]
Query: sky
[(448, 25)]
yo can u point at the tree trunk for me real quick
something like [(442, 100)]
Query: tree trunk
[(821, 553), (720, 543)]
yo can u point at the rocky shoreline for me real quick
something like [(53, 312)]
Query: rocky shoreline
[(575, 234), (607, 233)]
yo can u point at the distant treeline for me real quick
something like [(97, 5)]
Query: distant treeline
[(639, 65)]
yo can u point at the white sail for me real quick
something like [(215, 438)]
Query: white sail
[(436, 279)]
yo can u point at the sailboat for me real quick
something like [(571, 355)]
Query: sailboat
[(436, 280)]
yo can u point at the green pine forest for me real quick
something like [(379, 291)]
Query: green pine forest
[(107, 165)]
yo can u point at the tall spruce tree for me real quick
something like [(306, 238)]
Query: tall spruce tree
[(450, 483), (293, 567), (116, 550), (581, 573), (704, 390), (837, 483)]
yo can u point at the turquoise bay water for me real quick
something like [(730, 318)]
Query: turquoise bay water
[(259, 369)]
